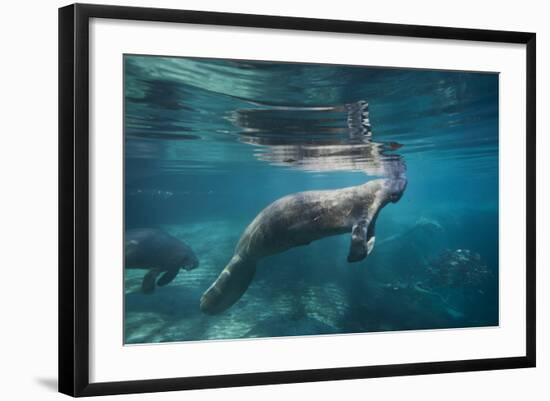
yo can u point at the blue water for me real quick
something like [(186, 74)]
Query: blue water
[(210, 143)]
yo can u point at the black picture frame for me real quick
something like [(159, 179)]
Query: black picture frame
[(74, 198)]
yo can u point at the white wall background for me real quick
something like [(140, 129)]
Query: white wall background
[(28, 199)]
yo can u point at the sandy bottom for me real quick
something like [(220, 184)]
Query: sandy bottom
[(305, 291)]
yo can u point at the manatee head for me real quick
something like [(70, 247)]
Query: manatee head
[(131, 250)]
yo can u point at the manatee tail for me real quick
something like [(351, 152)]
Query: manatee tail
[(229, 286)]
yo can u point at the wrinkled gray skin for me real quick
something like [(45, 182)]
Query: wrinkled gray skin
[(161, 253), (299, 219)]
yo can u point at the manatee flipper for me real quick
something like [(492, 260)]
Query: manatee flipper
[(370, 244), (229, 286), (168, 276), (358, 246), (148, 284), (362, 234)]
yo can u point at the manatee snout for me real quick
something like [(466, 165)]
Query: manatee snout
[(396, 188), (191, 262)]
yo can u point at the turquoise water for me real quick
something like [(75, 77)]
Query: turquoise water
[(210, 143)]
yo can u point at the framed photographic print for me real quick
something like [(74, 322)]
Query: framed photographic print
[(249, 199)]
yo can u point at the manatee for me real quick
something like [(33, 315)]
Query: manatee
[(297, 220), (158, 251)]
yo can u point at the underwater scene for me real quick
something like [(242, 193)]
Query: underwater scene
[(267, 199)]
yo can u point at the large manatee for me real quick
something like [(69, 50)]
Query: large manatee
[(299, 219), (154, 249)]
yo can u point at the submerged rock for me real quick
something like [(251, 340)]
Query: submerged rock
[(399, 256), (457, 268)]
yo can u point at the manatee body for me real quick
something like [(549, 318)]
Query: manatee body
[(161, 253), (300, 219)]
